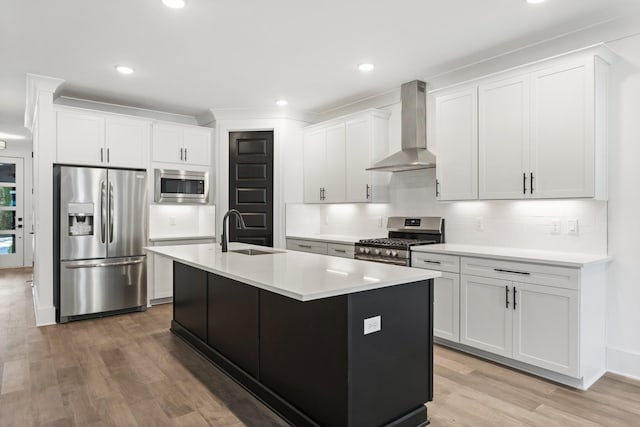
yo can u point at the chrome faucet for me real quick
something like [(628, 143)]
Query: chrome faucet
[(223, 239)]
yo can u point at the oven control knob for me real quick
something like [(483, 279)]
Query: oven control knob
[(387, 252), (361, 250), (367, 250), (394, 253), (377, 251)]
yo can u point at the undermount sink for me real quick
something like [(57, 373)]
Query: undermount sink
[(255, 252)]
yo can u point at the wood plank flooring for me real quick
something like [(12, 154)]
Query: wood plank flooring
[(129, 370)]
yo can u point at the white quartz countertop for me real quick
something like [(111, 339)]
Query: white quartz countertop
[(330, 238), (299, 275), (564, 259), (166, 237)]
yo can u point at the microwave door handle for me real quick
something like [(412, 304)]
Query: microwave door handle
[(110, 213), (103, 209)]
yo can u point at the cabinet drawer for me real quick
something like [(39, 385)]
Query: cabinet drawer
[(560, 277), (344, 251), (307, 246), (439, 262)]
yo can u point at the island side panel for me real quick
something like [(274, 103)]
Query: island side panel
[(391, 370), (190, 299), (233, 321), (303, 354)]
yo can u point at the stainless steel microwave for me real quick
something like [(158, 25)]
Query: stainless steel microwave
[(177, 186)]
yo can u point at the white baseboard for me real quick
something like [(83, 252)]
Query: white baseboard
[(44, 315), (622, 362)]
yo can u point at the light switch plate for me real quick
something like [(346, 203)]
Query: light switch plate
[(372, 324), (572, 227)]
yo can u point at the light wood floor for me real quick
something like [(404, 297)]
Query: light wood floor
[(129, 370)]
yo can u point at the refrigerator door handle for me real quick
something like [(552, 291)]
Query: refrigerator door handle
[(103, 209), (106, 264), (110, 213)]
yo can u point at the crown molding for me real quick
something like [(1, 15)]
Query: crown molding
[(37, 84)]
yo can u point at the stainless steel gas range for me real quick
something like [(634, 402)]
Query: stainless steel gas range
[(404, 232)]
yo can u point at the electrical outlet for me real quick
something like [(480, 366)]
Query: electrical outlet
[(372, 324), (556, 226), (479, 224), (572, 227)]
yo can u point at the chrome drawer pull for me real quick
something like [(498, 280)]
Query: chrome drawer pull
[(500, 270), (431, 262), (305, 246), (342, 251)]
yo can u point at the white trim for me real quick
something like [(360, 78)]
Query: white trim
[(44, 315), (265, 114), (35, 85), (623, 362)]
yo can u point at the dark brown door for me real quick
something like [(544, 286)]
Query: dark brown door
[(251, 186)]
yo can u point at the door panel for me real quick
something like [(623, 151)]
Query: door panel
[(358, 157), (485, 320), (127, 142), (313, 165), (251, 186), (504, 139), (545, 327), (127, 225), (446, 307), (167, 144), (562, 131), (95, 286), (335, 168), (80, 138), (83, 213), (11, 212), (196, 145)]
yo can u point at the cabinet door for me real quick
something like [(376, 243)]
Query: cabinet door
[(503, 139), (457, 145), (80, 138), (562, 131), (167, 144), (545, 327), (162, 277), (196, 144), (313, 165), (485, 314), (190, 299), (335, 167), (126, 142), (358, 159), (446, 307)]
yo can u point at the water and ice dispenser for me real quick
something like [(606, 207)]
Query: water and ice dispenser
[(80, 219)]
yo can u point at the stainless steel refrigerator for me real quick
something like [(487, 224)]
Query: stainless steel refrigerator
[(100, 230)]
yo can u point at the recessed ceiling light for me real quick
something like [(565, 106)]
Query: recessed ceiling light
[(281, 102), (535, 1), (365, 68), (174, 4), (123, 69)]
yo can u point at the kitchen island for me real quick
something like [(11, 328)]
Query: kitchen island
[(321, 340)]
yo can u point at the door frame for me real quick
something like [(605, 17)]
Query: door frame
[(26, 207)]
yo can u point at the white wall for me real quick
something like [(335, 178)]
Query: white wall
[(624, 210)]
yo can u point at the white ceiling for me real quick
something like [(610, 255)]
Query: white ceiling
[(247, 53)]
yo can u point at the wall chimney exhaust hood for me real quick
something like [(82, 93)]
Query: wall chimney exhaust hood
[(414, 154)]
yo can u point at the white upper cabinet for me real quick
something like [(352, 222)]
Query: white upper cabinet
[(337, 154), (562, 131), (80, 138), (85, 137), (126, 142), (503, 140), (541, 133), (324, 165), (181, 144), (457, 145)]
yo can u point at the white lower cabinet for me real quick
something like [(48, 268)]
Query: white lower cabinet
[(545, 319), (343, 250), (484, 316), (160, 270)]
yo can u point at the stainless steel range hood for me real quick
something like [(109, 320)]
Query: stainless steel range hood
[(414, 154)]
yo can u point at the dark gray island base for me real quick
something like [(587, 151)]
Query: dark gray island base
[(310, 361)]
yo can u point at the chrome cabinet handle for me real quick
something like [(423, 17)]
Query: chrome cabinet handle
[(368, 192), (524, 183), (531, 182), (110, 213), (431, 262), (107, 155), (103, 209), (181, 153), (514, 297), (437, 188), (500, 270), (185, 154), (102, 155)]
